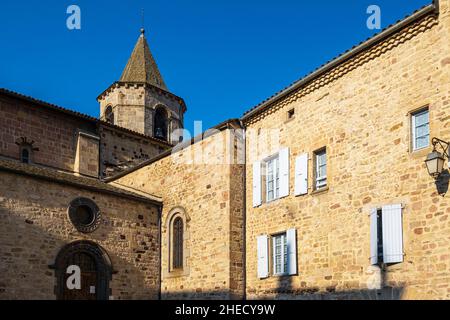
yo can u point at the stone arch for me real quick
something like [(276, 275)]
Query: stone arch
[(26, 150), (103, 270), (109, 114), (174, 215), (161, 122)]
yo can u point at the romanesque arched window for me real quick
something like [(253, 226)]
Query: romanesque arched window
[(26, 150), (177, 241), (109, 115), (161, 127)]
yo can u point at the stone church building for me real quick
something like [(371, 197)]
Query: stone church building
[(319, 192)]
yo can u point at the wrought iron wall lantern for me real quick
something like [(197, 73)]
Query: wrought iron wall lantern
[(435, 160)]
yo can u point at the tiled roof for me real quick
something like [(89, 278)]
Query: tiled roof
[(72, 180), (46, 104), (79, 115), (141, 66), (385, 33)]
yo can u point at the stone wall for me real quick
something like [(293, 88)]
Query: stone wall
[(121, 150), (361, 112), (201, 181), (87, 155), (55, 134), (34, 226), (134, 106)]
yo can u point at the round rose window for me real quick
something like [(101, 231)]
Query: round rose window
[(84, 215)]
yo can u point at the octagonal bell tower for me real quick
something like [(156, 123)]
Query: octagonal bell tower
[(140, 100)]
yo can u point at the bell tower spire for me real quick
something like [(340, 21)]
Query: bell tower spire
[(141, 66), (140, 101)]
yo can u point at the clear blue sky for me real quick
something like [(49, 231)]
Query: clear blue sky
[(222, 56)]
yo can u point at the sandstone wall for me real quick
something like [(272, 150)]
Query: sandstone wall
[(361, 113), (34, 226), (54, 134), (200, 181)]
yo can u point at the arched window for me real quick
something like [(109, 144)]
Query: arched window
[(109, 115), (177, 241), (161, 124), (24, 155)]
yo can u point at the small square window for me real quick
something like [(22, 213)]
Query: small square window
[(320, 170), (420, 125)]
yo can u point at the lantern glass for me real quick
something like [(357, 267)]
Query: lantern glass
[(435, 163)]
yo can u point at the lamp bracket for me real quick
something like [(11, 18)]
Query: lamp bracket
[(443, 144)]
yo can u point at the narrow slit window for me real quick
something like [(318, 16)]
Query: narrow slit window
[(177, 243), (25, 155)]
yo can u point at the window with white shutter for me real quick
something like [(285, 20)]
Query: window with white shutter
[(392, 234), (257, 193), (320, 170), (301, 175), (284, 172), (272, 178), (280, 254), (291, 252), (386, 235), (263, 257), (420, 125)]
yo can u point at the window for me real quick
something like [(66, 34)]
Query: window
[(280, 253), (161, 124), (290, 114), (109, 115), (272, 179), (85, 215), (380, 235), (25, 155), (177, 241), (320, 169), (420, 129)]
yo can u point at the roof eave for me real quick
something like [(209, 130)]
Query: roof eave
[(430, 9)]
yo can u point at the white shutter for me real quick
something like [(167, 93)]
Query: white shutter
[(291, 252), (392, 234), (284, 172), (257, 197), (373, 237), (263, 257), (301, 175)]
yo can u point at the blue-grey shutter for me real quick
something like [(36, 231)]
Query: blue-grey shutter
[(373, 237), (263, 257), (257, 196), (284, 172), (301, 175), (291, 251), (392, 234)]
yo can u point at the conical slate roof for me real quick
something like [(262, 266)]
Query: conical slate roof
[(141, 66)]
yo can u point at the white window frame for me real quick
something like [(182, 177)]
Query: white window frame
[(320, 181), (414, 129), (274, 164), (284, 254)]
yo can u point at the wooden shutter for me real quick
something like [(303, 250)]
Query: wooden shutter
[(284, 172), (301, 175), (257, 197), (373, 237), (392, 234), (291, 252), (263, 257)]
